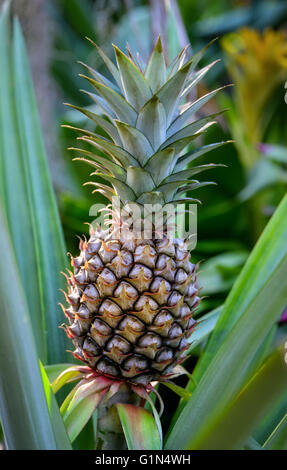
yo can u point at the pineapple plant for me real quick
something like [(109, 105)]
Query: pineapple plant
[(225, 399), (131, 300), (131, 297)]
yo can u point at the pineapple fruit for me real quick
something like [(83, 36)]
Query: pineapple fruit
[(131, 300)]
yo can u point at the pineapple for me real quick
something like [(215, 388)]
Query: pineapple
[(131, 300)]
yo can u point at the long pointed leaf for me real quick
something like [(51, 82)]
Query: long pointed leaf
[(14, 188), (227, 368), (134, 84), (270, 250), (139, 427), (239, 420), (23, 407), (49, 240)]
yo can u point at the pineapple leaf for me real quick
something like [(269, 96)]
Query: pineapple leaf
[(135, 142), (109, 64), (186, 174), (169, 189), (80, 405), (113, 168), (278, 438), (203, 328), (123, 190), (255, 303), (119, 105), (100, 78), (180, 144), (117, 152), (261, 392), (197, 126), (18, 209), (53, 370), (194, 185), (178, 61), (139, 179), (46, 229), (22, 397), (136, 88), (107, 126), (188, 112), (139, 427), (197, 77), (155, 72), (153, 197), (60, 432), (152, 122), (160, 164), (198, 152), (180, 391), (102, 104), (169, 93)]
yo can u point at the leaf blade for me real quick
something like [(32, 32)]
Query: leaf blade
[(139, 427)]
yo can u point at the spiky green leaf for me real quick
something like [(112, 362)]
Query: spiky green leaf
[(135, 142), (155, 72), (119, 105), (136, 89), (139, 428), (152, 122)]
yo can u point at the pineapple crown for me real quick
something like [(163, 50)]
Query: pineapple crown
[(149, 124)]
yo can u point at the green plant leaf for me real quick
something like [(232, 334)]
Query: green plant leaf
[(268, 253), (80, 415), (264, 174), (139, 427), (139, 179), (277, 153), (219, 273), (191, 110), (109, 64), (117, 152), (134, 84), (186, 174), (65, 375), (118, 104), (254, 309), (81, 403), (203, 328), (152, 122), (53, 370), (23, 407), (155, 72), (102, 162), (135, 142), (190, 156), (278, 439), (16, 203), (46, 233), (238, 421), (107, 126), (188, 131), (170, 93), (63, 442), (180, 391)]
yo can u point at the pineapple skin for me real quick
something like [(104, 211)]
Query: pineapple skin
[(131, 306)]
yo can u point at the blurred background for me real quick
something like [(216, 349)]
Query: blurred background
[(252, 43)]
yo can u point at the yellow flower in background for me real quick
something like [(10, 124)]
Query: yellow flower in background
[(257, 64)]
